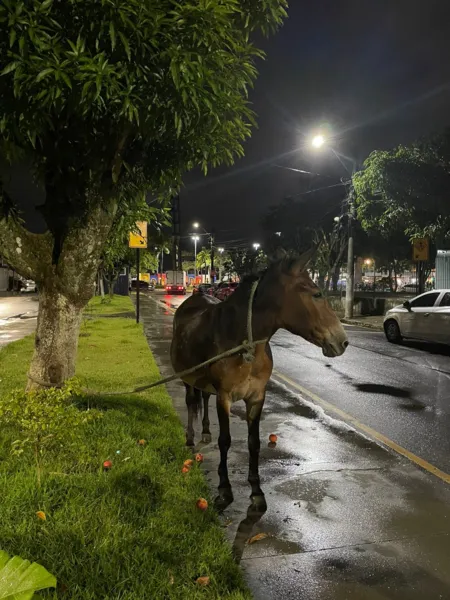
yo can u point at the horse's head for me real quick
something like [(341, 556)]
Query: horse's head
[(304, 311)]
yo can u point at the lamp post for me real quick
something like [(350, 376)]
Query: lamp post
[(195, 239), (256, 246), (317, 142)]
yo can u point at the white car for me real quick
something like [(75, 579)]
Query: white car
[(29, 286), (425, 317)]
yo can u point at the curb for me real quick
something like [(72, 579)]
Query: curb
[(362, 324)]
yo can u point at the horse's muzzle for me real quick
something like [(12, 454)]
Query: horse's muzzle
[(335, 347)]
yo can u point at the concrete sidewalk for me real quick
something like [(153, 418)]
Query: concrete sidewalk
[(345, 519), (370, 321)]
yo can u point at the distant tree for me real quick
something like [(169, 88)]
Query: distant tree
[(203, 259), (106, 100), (243, 261), (407, 189), (329, 256)]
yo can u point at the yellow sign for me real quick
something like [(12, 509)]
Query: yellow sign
[(144, 277), (421, 249), (139, 240)]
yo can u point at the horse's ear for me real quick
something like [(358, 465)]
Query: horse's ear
[(277, 255), (301, 264)]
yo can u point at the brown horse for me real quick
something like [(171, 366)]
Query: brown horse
[(285, 298)]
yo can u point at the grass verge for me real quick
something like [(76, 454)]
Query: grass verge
[(133, 532), (109, 306)]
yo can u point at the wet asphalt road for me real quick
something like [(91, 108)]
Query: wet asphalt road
[(403, 392), (346, 519), (18, 317)]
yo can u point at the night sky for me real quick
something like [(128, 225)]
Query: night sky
[(377, 71)]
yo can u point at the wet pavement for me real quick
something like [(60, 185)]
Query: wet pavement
[(346, 518), (18, 317)]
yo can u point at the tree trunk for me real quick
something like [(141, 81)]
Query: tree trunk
[(56, 340), (391, 281), (101, 286)]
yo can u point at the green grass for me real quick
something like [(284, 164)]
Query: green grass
[(109, 306), (126, 533)]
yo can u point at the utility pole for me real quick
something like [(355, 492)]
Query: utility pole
[(350, 287), (176, 223), (212, 270)]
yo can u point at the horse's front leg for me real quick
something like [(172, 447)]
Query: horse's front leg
[(225, 496), (254, 407)]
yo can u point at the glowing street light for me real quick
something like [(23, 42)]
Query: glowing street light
[(318, 141), (195, 225), (256, 246), (221, 250)]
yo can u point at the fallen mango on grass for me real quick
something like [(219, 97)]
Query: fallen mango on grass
[(203, 581), (41, 515), (202, 504)]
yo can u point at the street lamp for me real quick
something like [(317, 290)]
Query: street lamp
[(195, 225), (195, 238), (256, 246), (221, 250), (317, 142)]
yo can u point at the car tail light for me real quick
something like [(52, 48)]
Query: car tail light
[(179, 287)]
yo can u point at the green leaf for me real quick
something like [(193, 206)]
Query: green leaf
[(11, 67), (112, 35), (19, 578), (44, 73), (12, 37), (125, 44)]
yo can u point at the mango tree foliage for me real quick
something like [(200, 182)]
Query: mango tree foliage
[(407, 187), (107, 100)]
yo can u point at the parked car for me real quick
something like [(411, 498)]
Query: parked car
[(202, 288), (225, 289), (28, 286), (425, 317), (143, 285)]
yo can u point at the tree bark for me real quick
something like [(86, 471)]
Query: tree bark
[(56, 340), (65, 288)]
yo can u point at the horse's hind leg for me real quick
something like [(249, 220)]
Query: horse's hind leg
[(193, 403), (206, 433)]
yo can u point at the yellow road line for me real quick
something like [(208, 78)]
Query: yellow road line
[(365, 428)]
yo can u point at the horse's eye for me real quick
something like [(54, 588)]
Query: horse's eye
[(318, 295)]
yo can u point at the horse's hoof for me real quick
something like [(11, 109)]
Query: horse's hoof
[(224, 499), (259, 503), (206, 438), (190, 443)]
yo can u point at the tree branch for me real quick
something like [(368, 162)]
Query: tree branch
[(27, 253)]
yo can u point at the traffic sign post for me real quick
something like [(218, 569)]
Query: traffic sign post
[(421, 249), (138, 240)]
